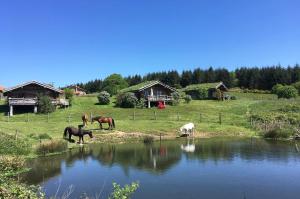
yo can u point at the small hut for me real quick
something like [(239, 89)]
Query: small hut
[(77, 90), (26, 94), (206, 91), (152, 91)]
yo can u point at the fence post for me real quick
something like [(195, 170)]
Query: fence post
[(155, 115), (220, 118), (177, 116), (160, 137), (200, 117), (91, 115), (133, 115)]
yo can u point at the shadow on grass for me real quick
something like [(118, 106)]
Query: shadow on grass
[(4, 109)]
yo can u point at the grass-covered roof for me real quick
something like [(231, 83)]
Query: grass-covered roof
[(203, 86), (144, 85)]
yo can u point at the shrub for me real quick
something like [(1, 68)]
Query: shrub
[(11, 164), (126, 100), (104, 98), (187, 99), (114, 83), (175, 98), (141, 103), (45, 105), (198, 94), (287, 92), (278, 133), (276, 88), (125, 192), (12, 146), (297, 86), (69, 94), (51, 146)]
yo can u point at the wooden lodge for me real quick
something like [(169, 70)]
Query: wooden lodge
[(27, 95), (77, 90), (152, 92)]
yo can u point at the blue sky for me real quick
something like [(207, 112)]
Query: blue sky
[(64, 41)]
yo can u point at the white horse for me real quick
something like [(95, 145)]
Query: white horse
[(187, 129)]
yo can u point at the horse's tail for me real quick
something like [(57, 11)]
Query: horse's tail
[(113, 122), (66, 131)]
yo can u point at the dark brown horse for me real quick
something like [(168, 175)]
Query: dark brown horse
[(85, 119), (77, 132), (109, 120)]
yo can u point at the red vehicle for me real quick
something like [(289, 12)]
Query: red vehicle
[(161, 105)]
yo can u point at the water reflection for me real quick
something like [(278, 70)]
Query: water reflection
[(158, 158)]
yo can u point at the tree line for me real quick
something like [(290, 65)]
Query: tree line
[(262, 78)]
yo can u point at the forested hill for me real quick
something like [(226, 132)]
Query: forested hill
[(263, 78)]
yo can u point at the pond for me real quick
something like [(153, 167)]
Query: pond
[(185, 168)]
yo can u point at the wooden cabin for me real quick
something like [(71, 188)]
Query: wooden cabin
[(152, 91), (77, 90), (27, 95), (212, 90)]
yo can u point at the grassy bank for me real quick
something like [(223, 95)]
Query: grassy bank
[(210, 117)]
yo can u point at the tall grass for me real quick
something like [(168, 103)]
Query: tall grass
[(51, 146), (13, 145)]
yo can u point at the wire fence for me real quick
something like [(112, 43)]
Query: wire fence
[(220, 118)]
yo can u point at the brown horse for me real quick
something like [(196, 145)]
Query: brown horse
[(85, 119), (109, 120)]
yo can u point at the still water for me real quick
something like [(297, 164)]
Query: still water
[(185, 168)]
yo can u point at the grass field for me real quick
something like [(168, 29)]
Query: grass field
[(204, 113)]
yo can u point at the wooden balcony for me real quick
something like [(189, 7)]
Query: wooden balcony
[(27, 101), (157, 98)]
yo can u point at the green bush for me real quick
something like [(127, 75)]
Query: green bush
[(123, 193), (278, 133), (69, 94), (104, 98), (276, 88), (126, 100), (187, 99), (114, 83), (198, 94), (10, 166), (141, 103), (12, 146), (175, 98), (287, 92), (51, 146), (297, 86), (45, 105)]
